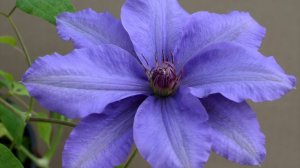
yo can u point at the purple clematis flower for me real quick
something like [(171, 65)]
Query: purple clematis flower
[(173, 83)]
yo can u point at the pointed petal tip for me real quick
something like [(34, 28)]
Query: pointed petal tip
[(236, 132)]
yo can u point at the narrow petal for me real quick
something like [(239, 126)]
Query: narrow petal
[(88, 28), (204, 29), (102, 140), (153, 26), (172, 132), (237, 73), (235, 131), (86, 80)]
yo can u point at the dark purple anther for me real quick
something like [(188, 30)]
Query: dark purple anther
[(163, 79)]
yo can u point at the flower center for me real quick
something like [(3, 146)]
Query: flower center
[(163, 79)]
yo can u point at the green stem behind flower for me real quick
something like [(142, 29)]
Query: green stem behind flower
[(12, 11), (130, 159), (41, 162), (21, 101), (24, 49), (55, 141), (52, 120), (12, 108), (18, 35)]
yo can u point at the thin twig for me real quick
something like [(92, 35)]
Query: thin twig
[(20, 39), (52, 120), (130, 159), (12, 108), (20, 101), (12, 11)]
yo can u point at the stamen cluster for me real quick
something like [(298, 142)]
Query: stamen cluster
[(163, 78)]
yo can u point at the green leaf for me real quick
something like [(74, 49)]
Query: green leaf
[(6, 79), (3, 131), (9, 40), (44, 129), (120, 166), (15, 88), (46, 9), (19, 89), (13, 123), (7, 158)]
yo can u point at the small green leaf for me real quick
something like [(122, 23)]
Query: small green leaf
[(19, 89), (9, 40), (46, 9), (7, 158), (15, 88), (120, 166), (13, 123), (44, 129), (6, 79)]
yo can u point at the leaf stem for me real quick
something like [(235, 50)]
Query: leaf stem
[(130, 159), (25, 52), (43, 162), (12, 11), (30, 109), (12, 108), (20, 101), (52, 120), (20, 39), (3, 14), (55, 142)]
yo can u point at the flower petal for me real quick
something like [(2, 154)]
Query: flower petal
[(153, 26), (88, 28), (235, 131), (237, 73), (102, 140), (206, 28), (172, 132), (86, 80)]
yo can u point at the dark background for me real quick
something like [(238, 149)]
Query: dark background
[(280, 120)]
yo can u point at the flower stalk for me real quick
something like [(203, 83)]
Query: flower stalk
[(52, 120), (131, 159)]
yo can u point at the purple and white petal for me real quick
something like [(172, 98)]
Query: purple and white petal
[(172, 132), (86, 80), (237, 73), (236, 133), (88, 28), (153, 26), (204, 29), (102, 140)]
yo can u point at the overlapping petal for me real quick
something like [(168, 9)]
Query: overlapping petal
[(204, 29), (236, 72), (153, 26), (86, 80), (102, 140), (88, 28), (235, 131), (171, 132)]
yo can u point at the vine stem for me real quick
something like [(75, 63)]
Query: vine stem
[(43, 162), (12, 108), (3, 14), (130, 159), (55, 141), (20, 101), (24, 49), (52, 120), (12, 11), (20, 39)]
